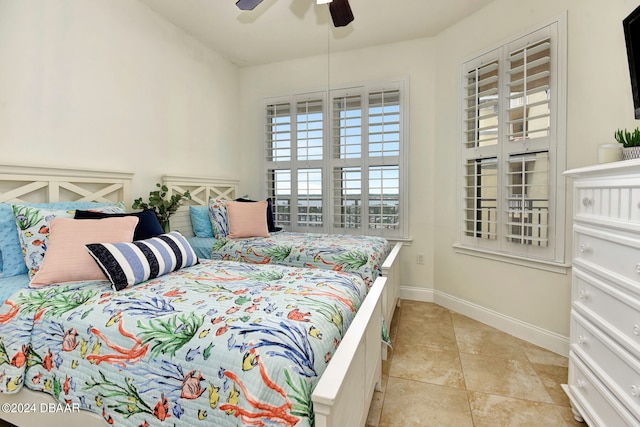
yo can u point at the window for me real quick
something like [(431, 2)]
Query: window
[(513, 146), (335, 161)]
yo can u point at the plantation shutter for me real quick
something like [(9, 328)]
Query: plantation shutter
[(334, 160), (528, 199), (527, 144), (366, 141), (384, 160), (509, 148), (481, 124), (529, 91), (347, 144), (481, 198), (481, 104), (279, 148), (308, 175)]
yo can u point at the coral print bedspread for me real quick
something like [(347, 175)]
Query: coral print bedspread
[(216, 344), (363, 255)]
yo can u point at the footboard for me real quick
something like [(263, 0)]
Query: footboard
[(343, 395), (391, 270)]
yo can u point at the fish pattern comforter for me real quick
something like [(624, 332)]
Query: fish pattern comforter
[(362, 255), (219, 343)]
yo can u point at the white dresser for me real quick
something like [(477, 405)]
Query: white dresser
[(604, 357)]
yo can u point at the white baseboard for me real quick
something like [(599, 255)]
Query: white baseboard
[(541, 337)]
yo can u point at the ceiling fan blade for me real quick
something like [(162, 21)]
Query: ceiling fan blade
[(340, 12), (247, 4)]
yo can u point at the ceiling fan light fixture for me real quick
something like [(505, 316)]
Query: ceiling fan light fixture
[(247, 4), (341, 12)]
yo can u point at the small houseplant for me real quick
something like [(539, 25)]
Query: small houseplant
[(162, 206), (630, 143)]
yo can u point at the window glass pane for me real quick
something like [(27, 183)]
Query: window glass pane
[(481, 109), (310, 197), (384, 197), (384, 123), (528, 199), (347, 127), (347, 198), (279, 182), (481, 191), (309, 131), (278, 132)]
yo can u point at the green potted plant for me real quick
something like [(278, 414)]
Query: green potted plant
[(630, 143), (162, 206)]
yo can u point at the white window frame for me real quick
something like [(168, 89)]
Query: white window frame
[(552, 258), (328, 163)]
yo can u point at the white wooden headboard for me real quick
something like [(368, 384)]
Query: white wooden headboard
[(201, 189), (45, 184), (33, 184)]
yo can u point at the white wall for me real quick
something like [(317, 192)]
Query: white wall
[(530, 303), (111, 85)]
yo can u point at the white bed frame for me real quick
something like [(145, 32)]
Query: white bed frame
[(344, 392), (20, 184)]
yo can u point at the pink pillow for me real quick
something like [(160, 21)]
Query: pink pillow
[(247, 219), (66, 258)]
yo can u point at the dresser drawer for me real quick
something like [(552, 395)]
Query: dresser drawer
[(617, 253), (610, 306), (617, 200), (617, 369), (593, 400)]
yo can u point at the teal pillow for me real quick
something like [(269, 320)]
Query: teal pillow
[(200, 221), (12, 259)]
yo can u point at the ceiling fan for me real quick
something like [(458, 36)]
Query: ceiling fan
[(340, 10)]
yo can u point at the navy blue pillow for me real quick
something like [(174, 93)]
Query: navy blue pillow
[(148, 224), (270, 221)]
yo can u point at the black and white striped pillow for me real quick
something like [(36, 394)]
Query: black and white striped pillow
[(127, 264)]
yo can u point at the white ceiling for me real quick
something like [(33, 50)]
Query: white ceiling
[(278, 30)]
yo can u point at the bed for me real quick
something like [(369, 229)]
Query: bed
[(186, 347), (367, 256)]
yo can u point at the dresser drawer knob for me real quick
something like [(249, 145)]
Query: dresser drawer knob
[(636, 330), (579, 384), (635, 392), (638, 268), (583, 294), (582, 340), (585, 249), (587, 201)]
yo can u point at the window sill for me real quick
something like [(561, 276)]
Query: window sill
[(554, 267)]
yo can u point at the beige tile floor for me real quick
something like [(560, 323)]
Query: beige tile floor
[(446, 369)]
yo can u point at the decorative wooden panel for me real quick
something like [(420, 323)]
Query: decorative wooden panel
[(43, 184), (201, 189)]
